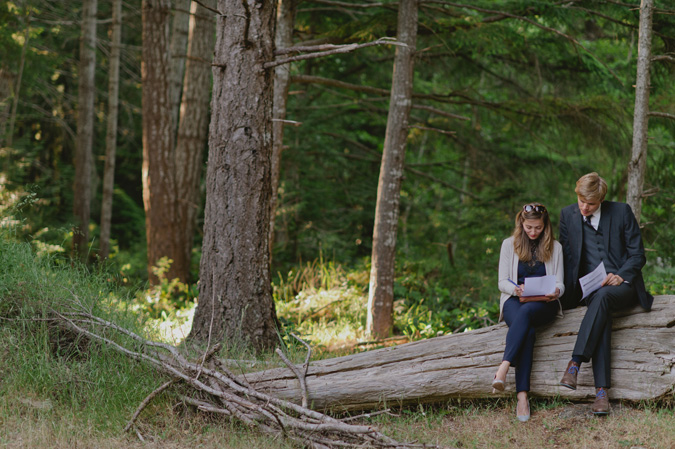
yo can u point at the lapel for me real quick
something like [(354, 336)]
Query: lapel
[(605, 222), (576, 230)]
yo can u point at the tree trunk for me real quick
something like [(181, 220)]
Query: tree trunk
[(235, 299), (84, 159), (381, 291), (638, 161), (15, 93), (111, 136), (193, 129), (462, 365), (282, 79), (159, 193), (178, 51), (6, 95)]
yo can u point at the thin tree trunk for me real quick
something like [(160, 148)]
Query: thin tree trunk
[(638, 161), (111, 136), (235, 299), (17, 89), (159, 193), (6, 95), (193, 128), (282, 76), (84, 158), (178, 51), (381, 291)]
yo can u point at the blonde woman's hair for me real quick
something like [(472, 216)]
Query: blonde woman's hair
[(526, 249), (591, 187)]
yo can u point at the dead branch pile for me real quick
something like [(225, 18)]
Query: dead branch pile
[(217, 390)]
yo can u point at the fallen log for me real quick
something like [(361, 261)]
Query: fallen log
[(462, 366)]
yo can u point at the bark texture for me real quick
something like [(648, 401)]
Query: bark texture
[(193, 129), (111, 134), (178, 53), (282, 79), (462, 365), (159, 193), (638, 161), (84, 158), (381, 290), (235, 298)]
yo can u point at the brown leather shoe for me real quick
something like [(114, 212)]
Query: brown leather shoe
[(569, 379), (601, 404)]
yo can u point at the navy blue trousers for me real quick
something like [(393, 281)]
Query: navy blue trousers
[(522, 319), (595, 333)]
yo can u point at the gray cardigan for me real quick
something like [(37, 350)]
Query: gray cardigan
[(508, 269)]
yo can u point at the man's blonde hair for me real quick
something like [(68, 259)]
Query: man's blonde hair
[(591, 187)]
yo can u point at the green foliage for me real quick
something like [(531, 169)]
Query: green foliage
[(660, 279), (41, 155), (323, 303), (326, 304), (52, 366), (169, 297)]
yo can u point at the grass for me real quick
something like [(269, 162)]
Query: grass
[(60, 392), (460, 425), (493, 425)]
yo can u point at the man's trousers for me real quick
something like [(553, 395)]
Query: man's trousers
[(595, 333)]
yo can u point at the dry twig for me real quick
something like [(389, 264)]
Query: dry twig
[(217, 390), (145, 403)]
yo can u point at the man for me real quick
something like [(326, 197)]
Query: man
[(594, 231)]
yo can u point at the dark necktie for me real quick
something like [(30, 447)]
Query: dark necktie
[(587, 220)]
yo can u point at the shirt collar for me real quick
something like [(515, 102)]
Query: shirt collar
[(595, 218)]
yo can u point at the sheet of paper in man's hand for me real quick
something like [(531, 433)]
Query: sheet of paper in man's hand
[(593, 280), (541, 286)]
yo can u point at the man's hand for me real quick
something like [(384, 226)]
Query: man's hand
[(612, 279)]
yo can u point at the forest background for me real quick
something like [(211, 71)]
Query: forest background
[(513, 101), (510, 113), (527, 111)]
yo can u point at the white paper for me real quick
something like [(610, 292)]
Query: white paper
[(540, 286), (593, 280)]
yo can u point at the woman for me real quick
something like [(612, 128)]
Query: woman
[(530, 252)]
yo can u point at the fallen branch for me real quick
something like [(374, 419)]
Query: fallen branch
[(299, 374), (145, 403), (217, 390)]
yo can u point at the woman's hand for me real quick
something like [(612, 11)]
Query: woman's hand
[(554, 296), (518, 291)]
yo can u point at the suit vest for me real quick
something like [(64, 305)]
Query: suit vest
[(594, 251)]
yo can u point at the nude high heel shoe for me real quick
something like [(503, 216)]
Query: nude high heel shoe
[(497, 385), (524, 418)]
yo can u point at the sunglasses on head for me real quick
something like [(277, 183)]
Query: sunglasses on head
[(534, 207)]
